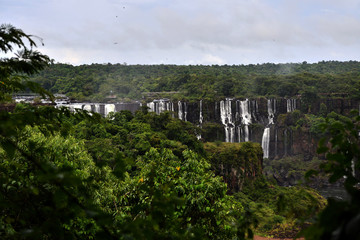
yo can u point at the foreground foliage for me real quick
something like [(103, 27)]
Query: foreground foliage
[(340, 219)]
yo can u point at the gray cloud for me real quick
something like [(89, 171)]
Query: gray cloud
[(217, 31)]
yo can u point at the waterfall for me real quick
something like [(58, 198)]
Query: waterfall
[(163, 105), (105, 108), (290, 105), (75, 106), (226, 119), (266, 142), (102, 109), (87, 107), (180, 111), (271, 104), (172, 110), (246, 133), (245, 117), (237, 113), (223, 116), (97, 108), (200, 120), (232, 134), (245, 113), (238, 129), (185, 112), (254, 110), (160, 105), (151, 105), (109, 108)]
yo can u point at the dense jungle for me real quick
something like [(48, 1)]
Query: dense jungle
[(147, 174)]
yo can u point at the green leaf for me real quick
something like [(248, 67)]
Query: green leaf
[(9, 147)]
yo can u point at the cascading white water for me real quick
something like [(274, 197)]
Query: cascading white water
[(163, 105), (253, 109), (180, 110), (238, 130), (246, 133), (160, 106), (232, 134), (226, 119), (151, 105), (265, 143), (271, 104), (172, 109), (97, 108), (245, 113), (102, 108), (237, 113), (245, 117), (87, 107), (109, 108), (185, 112), (223, 116), (290, 105), (75, 106), (200, 119)]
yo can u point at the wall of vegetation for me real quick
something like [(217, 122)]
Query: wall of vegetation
[(97, 81)]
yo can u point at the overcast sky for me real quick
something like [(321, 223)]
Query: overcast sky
[(190, 31)]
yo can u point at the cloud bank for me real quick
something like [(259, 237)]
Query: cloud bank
[(190, 32)]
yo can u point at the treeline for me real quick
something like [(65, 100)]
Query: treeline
[(98, 81)]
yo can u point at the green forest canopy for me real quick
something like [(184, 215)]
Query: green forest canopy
[(97, 81)]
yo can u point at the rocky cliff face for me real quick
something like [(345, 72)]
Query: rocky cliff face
[(261, 120), (269, 122)]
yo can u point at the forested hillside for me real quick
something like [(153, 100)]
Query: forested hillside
[(97, 81)]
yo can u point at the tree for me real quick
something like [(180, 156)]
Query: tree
[(27, 61), (309, 96), (43, 193), (340, 219), (181, 198)]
